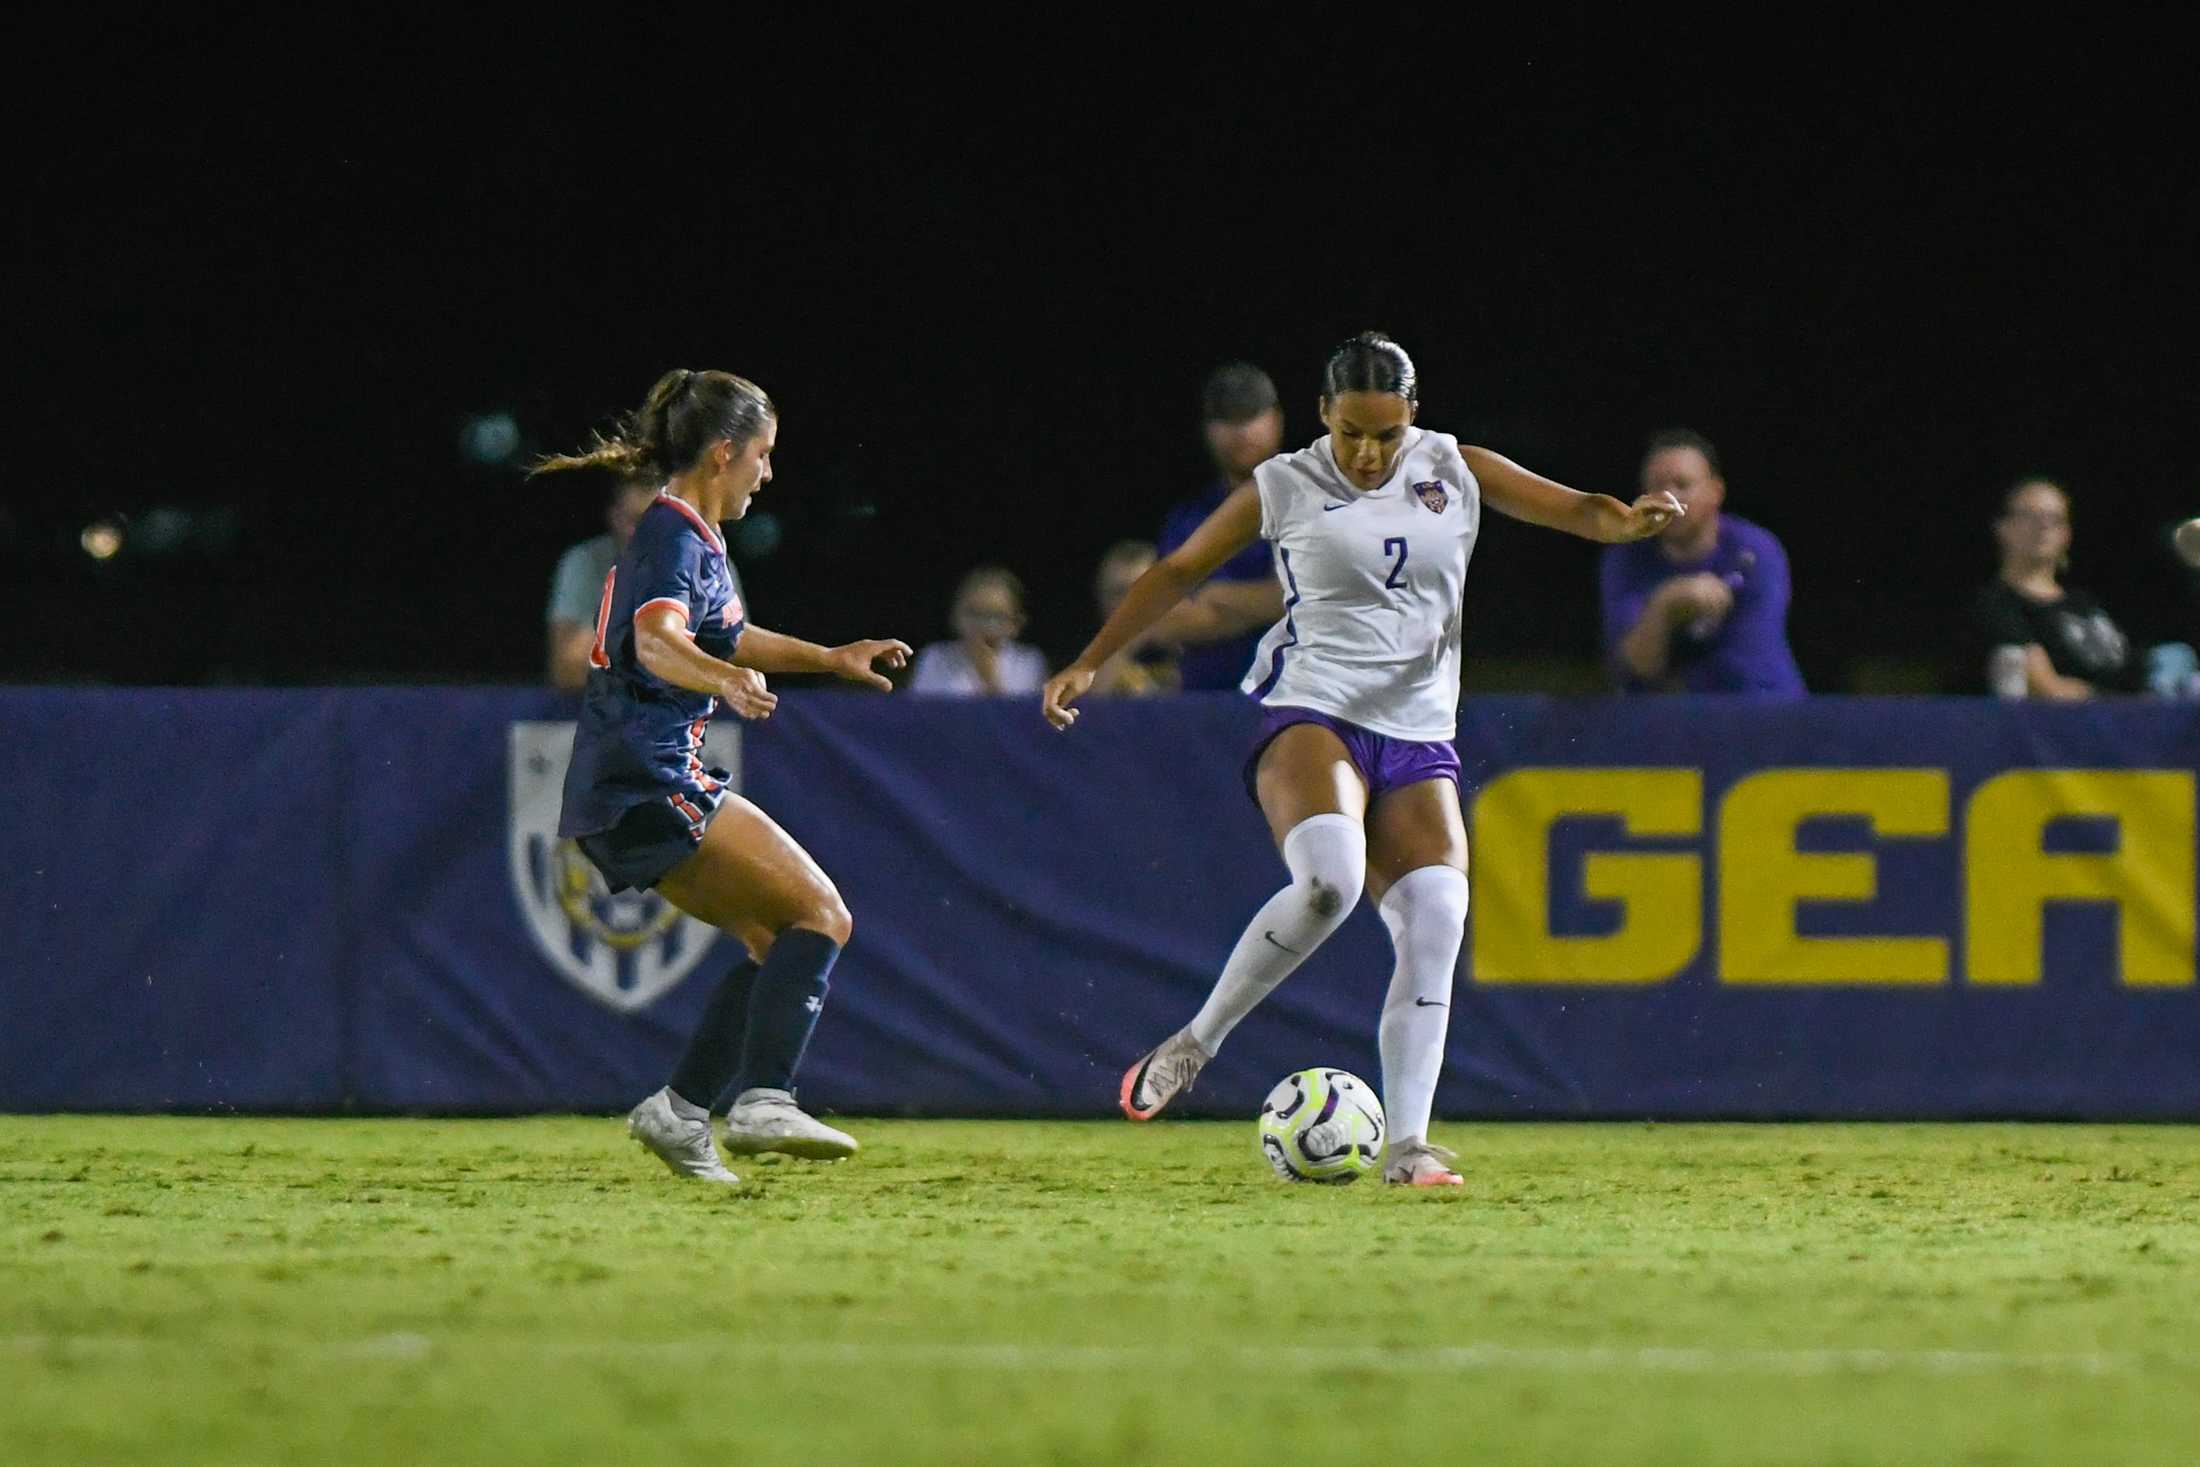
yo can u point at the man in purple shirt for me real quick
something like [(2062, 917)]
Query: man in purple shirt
[(1701, 608), (1219, 625)]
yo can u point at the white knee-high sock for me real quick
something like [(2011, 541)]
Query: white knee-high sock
[(1327, 855), (1426, 912)]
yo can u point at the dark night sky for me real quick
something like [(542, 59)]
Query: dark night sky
[(983, 273)]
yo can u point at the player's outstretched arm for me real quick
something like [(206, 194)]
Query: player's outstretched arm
[(1234, 525), (857, 662), (662, 645), (1512, 490)]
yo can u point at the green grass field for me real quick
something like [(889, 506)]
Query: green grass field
[(225, 1291)]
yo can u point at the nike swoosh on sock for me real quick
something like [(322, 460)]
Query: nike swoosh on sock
[(1294, 952)]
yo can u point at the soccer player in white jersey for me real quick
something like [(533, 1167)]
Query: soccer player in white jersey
[(1354, 767)]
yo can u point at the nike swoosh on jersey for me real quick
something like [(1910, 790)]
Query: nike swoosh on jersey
[(1346, 505)]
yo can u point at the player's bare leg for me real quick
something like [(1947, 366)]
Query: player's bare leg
[(753, 880), (1417, 873), (1305, 772), (1315, 802)]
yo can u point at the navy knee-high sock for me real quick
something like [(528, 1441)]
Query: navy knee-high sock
[(713, 1054), (790, 994)]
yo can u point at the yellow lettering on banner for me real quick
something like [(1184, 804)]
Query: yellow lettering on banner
[(1762, 875), (2009, 879), (1660, 893)]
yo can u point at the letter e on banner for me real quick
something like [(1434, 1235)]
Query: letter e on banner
[(1762, 876)]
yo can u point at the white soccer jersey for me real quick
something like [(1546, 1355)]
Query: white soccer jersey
[(1372, 585)]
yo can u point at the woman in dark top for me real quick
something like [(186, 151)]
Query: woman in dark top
[(673, 642), (2072, 649)]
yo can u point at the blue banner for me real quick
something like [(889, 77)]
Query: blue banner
[(316, 900)]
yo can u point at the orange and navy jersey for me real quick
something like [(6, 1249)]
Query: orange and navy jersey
[(639, 737)]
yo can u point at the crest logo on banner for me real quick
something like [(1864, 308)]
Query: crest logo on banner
[(625, 950), (1432, 495)]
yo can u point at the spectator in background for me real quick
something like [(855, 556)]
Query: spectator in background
[(1218, 626), (576, 589), (1143, 669), (2072, 649), (984, 660), (1701, 607)]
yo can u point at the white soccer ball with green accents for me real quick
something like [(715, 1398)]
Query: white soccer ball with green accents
[(1322, 1125)]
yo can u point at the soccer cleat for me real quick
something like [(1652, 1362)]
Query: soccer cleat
[(1416, 1163), (769, 1120), (680, 1143), (1162, 1075)]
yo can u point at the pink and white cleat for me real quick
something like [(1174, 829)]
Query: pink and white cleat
[(1162, 1075), (1416, 1163)]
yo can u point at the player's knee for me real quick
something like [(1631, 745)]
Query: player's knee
[(1332, 890), (1428, 904), (1325, 898), (829, 915), (1327, 855)]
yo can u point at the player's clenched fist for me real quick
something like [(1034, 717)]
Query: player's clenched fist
[(1063, 689), (1651, 513), (744, 692)]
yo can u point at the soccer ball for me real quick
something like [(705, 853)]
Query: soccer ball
[(1321, 1126)]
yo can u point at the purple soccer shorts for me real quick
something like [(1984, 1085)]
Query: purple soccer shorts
[(1384, 762)]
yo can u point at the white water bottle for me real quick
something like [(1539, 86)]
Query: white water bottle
[(2171, 668)]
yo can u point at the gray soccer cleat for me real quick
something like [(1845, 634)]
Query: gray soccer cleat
[(1413, 1162), (1163, 1075), (681, 1144), (769, 1120)]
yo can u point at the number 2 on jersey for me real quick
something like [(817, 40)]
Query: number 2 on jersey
[(1396, 544)]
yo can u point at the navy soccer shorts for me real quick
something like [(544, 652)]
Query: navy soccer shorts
[(649, 840)]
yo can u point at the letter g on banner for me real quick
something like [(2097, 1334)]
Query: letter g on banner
[(1659, 893)]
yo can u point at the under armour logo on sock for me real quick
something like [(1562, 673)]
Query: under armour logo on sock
[(1279, 946), (814, 1003)]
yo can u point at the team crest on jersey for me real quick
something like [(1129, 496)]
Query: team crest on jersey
[(625, 950), (1433, 495)]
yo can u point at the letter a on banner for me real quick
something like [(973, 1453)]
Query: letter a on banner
[(2010, 876), (625, 950)]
